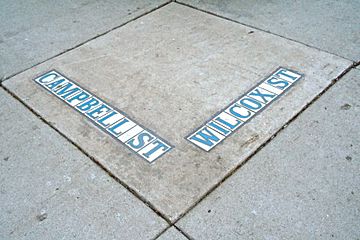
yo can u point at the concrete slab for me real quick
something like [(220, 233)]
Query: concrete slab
[(172, 234), (304, 184), (50, 190), (329, 25), (33, 31), (172, 70)]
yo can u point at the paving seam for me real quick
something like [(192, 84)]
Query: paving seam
[(86, 41), (177, 228), (352, 67), (232, 171), (118, 180), (183, 233), (132, 191), (144, 200), (161, 232), (259, 29)]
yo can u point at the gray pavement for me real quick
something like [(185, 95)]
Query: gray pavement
[(50, 190), (304, 184), (171, 68), (332, 26), (138, 67), (33, 31), (172, 234)]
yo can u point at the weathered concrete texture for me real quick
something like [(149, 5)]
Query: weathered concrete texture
[(33, 31), (329, 25), (305, 184), (50, 190), (172, 234), (172, 70)]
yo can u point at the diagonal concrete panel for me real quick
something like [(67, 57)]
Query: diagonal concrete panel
[(50, 190), (304, 184), (172, 70), (332, 26), (33, 31)]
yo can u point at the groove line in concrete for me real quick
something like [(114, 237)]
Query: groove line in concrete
[(259, 29), (231, 172), (86, 41)]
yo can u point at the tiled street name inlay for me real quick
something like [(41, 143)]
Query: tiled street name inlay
[(240, 111), (114, 122)]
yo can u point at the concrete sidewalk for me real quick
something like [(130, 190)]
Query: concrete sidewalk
[(109, 110), (303, 185), (35, 31)]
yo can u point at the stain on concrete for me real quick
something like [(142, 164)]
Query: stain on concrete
[(346, 106), (41, 217)]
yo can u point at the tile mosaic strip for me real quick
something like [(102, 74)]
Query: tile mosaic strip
[(243, 109), (114, 122)]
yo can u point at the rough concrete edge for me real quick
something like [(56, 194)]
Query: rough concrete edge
[(4, 78), (231, 172), (259, 29)]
